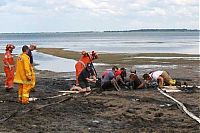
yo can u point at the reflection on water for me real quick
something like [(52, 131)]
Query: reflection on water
[(53, 63)]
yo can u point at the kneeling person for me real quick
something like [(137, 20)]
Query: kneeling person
[(162, 77), (84, 79), (134, 82), (108, 79)]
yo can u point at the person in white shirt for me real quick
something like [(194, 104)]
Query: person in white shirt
[(162, 77)]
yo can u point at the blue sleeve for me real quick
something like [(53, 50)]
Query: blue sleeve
[(111, 75)]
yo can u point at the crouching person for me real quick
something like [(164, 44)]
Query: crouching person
[(162, 77), (120, 76), (23, 75), (109, 80), (133, 81), (84, 79)]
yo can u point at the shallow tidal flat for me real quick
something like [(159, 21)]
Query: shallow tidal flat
[(180, 66), (129, 59)]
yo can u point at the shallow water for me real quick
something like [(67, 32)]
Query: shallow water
[(117, 42), (55, 64), (52, 63), (113, 42)]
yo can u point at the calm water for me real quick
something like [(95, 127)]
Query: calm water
[(118, 42), (124, 42)]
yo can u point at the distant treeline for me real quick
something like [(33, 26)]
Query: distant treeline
[(182, 30)]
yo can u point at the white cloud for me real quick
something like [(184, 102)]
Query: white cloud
[(183, 2), (153, 12), (102, 13), (91, 6), (99, 7)]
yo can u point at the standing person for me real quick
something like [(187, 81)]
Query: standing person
[(108, 79), (161, 77), (31, 48), (85, 59), (84, 79), (23, 75), (9, 67)]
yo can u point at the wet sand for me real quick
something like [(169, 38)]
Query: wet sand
[(179, 68), (110, 111)]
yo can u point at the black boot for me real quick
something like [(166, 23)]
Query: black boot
[(178, 83)]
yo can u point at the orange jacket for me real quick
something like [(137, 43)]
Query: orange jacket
[(8, 59), (85, 59)]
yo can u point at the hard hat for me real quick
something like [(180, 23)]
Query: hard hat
[(84, 53), (94, 55), (10, 46)]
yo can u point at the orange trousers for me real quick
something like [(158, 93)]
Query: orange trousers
[(9, 77), (79, 68), (23, 93)]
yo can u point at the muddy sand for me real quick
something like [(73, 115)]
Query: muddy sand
[(144, 110)]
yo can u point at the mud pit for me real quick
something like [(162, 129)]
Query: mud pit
[(110, 111)]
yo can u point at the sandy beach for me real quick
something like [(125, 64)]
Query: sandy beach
[(110, 111)]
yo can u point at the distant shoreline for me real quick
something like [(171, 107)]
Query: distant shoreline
[(106, 31), (156, 30)]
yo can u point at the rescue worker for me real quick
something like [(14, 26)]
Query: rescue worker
[(85, 59), (23, 75), (84, 79), (31, 48), (9, 67), (162, 77)]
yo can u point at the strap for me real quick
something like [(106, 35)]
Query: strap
[(82, 63), (8, 65)]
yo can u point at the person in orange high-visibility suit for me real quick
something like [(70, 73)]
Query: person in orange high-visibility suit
[(9, 67), (23, 76), (31, 48), (85, 59)]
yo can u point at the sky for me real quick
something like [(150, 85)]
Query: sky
[(96, 15)]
